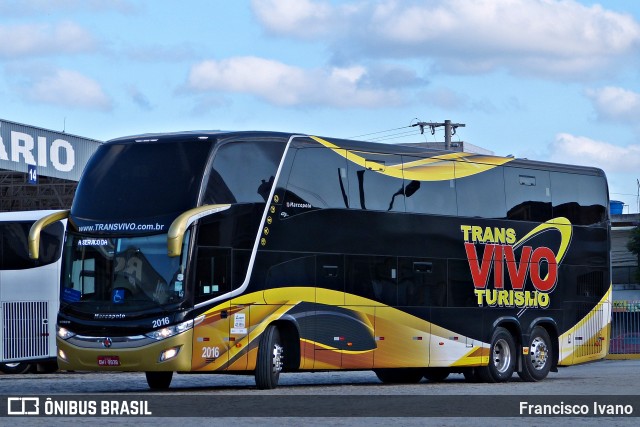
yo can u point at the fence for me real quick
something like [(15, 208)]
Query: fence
[(625, 328)]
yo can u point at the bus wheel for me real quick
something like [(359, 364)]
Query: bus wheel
[(502, 359), (270, 359), (17, 368), (399, 375), (159, 380), (436, 375), (537, 364)]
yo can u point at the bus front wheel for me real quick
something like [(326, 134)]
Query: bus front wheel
[(159, 380), (502, 360), (537, 363), (270, 359)]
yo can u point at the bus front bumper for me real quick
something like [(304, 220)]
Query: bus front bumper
[(81, 353)]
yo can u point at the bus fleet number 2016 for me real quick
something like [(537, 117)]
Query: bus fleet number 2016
[(210, 352)]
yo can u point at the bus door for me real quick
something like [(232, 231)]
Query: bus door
[(371, 284), (402, 326), (213, 343)]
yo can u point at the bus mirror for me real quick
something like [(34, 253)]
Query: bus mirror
[(411, 188), (175, 236), (36, 229)]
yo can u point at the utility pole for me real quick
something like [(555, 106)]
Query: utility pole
[(449, 130)]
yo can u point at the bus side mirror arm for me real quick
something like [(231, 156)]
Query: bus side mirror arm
[(175, 236), (36, 229)]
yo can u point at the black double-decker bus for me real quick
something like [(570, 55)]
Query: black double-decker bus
[(264, 252)]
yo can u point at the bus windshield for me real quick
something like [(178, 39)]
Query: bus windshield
[(125, 181), (121, 274)]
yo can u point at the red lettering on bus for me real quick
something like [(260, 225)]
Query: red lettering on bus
[(530, 262)]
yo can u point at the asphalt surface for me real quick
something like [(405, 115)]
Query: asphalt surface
[(607, 381)]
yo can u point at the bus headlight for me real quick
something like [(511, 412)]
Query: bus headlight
[(64, 333), (169, 331)]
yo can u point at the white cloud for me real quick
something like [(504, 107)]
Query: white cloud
[(302, 18), (581, 150), (616, 104), (552, 38), (44, 39), (286, 85), (70, 89)]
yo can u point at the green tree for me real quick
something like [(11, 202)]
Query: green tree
[(634, 247)]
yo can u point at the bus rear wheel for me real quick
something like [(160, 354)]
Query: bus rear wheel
[(270, 359), (537, 364), (502, 360), (17, 368), (159, 380), (399, 375)]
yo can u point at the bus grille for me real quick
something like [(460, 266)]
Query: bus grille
[(25, 332)]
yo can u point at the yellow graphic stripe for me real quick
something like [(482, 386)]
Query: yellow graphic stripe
[(562, 225), (328, 347), (438, 168), (477, 356)]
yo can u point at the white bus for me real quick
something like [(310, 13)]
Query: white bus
[(29, 293)]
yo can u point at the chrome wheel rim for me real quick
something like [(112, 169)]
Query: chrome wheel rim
[(277, 359), (501, 356), (539, 353)]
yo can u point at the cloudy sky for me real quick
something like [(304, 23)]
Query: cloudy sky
[(553, 80)]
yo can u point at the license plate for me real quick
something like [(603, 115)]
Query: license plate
[(108, 360)]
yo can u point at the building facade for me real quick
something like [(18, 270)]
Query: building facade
[(40, 168)]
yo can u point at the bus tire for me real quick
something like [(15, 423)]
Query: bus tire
[(502, 358), (399, 375), (436, 375), (270, 359), (537, 364), (17, 367), (159, 380)]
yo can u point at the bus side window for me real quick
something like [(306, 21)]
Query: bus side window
[(482, 194), (422, 282), (460, 285), (428, 196), (373, 277), (528, 193), (580, 198), (250, 183), (374, 186), (318, 179), (212, 273)]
